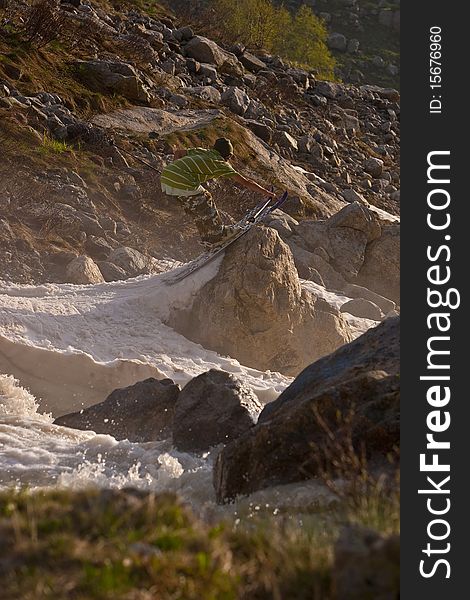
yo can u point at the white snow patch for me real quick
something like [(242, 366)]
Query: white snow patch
[(72, 345), (357, 325)]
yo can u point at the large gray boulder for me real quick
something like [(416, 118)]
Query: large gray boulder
[(142, 412), (116, 77), (358, 385), (207, 51), (213, 408)]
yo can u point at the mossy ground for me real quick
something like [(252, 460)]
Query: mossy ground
[(130, 544)]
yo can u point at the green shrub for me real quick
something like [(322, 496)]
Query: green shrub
[(299, 37)]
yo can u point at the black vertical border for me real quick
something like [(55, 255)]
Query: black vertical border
[(420, 134)]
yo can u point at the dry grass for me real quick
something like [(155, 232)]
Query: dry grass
[(368, 494), (135, 545)]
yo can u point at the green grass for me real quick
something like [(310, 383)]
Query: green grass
[(129, 544), (51, 146)]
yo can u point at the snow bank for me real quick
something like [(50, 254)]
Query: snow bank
[(72, 345)]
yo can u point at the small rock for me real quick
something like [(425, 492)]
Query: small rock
[(236, 99), (252, 63), (206, 92), (350, 195), (327, 89), (374, 166), (186, 33), (337, 41), (378, 61), (83, 270), (286, 140), (208, 71), (353, 46)]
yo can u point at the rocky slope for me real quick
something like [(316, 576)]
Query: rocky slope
[(364, 38), (147, 82)]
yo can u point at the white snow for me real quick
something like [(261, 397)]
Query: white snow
[(72, 345), (357, 325)]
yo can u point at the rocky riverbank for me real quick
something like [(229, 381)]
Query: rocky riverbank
[(188, 437)]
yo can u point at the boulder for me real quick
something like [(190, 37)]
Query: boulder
[(133, 262), (261, 130), (113, 77), (366, 564), (213, 408), (208, 71), (374, 166), (328, 89), (255, 310), (285, 140), (360, 307), (380, 271), (359, 381), (337, 41), (111, 272), (385, 93), (252, 63), (359, 218), (308, 264), (83, 270), (344, 237), (98, 247), (236, 99), (142, 412), (206, 92), (206, 51)]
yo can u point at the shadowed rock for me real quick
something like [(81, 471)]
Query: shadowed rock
[(142, 412), (214, 407), (360, 379)]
